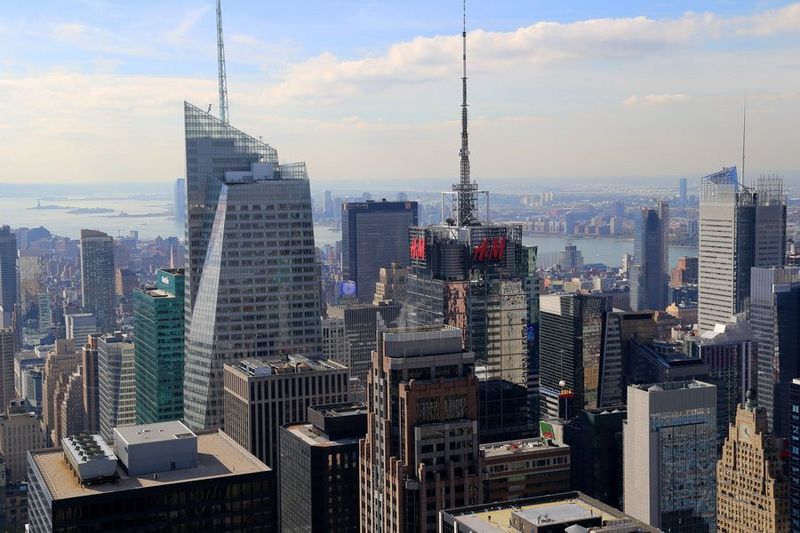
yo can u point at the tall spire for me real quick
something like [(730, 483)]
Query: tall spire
[(223, 78), (465, 188)]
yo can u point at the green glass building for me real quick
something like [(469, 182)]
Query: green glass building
[(158, 327)]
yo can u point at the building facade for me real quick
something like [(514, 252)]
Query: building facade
[(19, 432), (752, 486), (670, 456), (740, 228), (252, 286), (319, 470), (261, 395), (9, 276), (97, 278), (116, 375), (79, 326), (421, 452), (648, 274), (158, 322), (7, 387), (91, 383), (374, 235), (61, 361)]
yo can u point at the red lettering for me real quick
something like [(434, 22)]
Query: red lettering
[(417, 248), (490, 249)]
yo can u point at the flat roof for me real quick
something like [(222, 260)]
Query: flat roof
[(218, 456), (314, 437), (157, 432), (521, 446)]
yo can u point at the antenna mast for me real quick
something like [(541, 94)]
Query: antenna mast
[(744, 133), (223, 78), (465, 188)]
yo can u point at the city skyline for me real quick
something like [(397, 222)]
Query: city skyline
[(548, 81)]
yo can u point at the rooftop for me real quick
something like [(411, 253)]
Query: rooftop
[(218, 456), (511, 447), (544, 510), (672, 385), (156, 432), (284, 365), (314, 437)]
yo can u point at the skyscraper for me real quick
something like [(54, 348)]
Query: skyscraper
[(648, 276), (740, 228), (775, 319), (97, 278), (158, 322), (9, 276), (421, 452), (374, 235), (794, 454), (682, 196), (752, 486), (116, 374), (252, 288), (670, 455), (7, 392), (91, 385), (570, 343)]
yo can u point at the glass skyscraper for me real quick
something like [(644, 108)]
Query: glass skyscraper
[(252, 288), (648, 276), (158, 319), (97, 278), (9, 274)]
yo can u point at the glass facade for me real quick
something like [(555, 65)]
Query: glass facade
[(251, 280), (97, 278), (649, 278), (158, 321)]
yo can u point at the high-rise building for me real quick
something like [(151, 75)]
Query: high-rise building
[(91, 383), (252, 287), (752, 485), (740, 228), (61, 361), (648, 275), (45, 313), (361, 322), (421, 452), (7, 387), (158, 322), (774, 317), (682, 194), (374, 235), (391, 284), (261, 395), (319, 470), (9, 276), (179, 205), (794, 454), (116, 373), (79, 326), (670, 455), (524, 468), (97, 278), (125, 281), (570, 344), (334, 339), (69, 418), (327, 204), (685, 272), (157, 477), (19, 433)]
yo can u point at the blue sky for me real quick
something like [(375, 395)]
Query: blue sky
[(369, 90)]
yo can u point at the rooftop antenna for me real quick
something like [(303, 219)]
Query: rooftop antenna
[(465, 188), (744, 132), (223, 78)]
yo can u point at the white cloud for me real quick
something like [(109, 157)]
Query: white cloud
[(657, 99)]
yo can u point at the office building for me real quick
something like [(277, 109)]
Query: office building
[(361, 322), (91, 383), (793, 446), (158, 477), (374, 235), (670, 438), (179, 206), (158, 322), (774, 317), (252, 286), (334, 339), (125, 282), (391, 284), (79, 326), (752, 486), (569, 512), (682, 193), (61, 361), (19, 432), (9, 276), (327, 204), (525, 468), (261, 395), (319, 470), (685, 272), (740, 228), (68, 400), (97, 278), (7, 387), (648, 274), (45, 313), (116, 373), (421, 451), (570, 343)]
